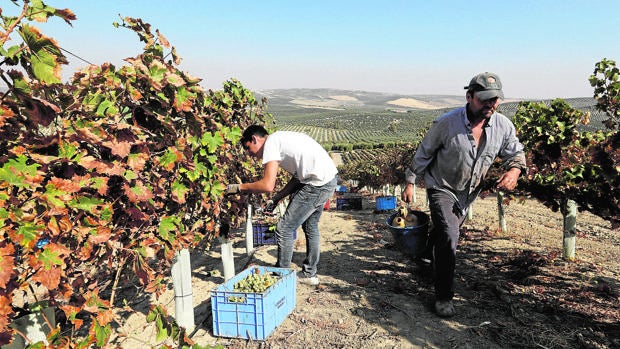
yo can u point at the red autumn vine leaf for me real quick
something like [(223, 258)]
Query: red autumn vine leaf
[(103, 235), (138, 192), (7, 260), (93, 302), (49, 278), (137, 161), (121, 149), (105, 317), (71, 313), (66, 185), (5, 311), (5, 114)]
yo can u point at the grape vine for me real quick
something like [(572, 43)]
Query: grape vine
[(104, 178)]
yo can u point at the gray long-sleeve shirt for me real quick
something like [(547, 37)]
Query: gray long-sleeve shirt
[(449, 160)]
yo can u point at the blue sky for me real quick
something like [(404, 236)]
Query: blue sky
[(540, 49)]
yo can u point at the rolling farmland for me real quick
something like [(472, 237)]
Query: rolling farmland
[(366, 123), (358, 127)]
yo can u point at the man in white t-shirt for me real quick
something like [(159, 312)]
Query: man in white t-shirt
[(313, 181)]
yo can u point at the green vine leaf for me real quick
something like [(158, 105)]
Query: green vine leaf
[(212, 141), (84, 203), (15, 171), (28, 233), (49, 258), (46, 56)]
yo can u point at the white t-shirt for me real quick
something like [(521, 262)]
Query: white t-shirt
[(301, 156)]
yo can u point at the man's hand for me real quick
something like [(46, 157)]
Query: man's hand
[(269, 207), (407, 194), (508, 180), (231, 189)]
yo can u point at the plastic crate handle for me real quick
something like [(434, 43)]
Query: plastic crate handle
[(281, 302)]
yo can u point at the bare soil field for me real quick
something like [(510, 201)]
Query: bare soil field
[(513, 289)]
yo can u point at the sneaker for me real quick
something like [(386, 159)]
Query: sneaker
[(445, 308), (308, 280)]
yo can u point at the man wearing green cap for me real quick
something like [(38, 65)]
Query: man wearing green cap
[(452, 160)]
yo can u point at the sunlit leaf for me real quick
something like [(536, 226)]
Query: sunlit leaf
[(212, 141), (50, 278), (169, 158), (46, 58), (16, 170), (6, 310), (183, 99), (50, 257), (120, 148), (102, 333), (179, 190), (28, 232), (85, 203), (162, 330), (167, 227), (7, 261)]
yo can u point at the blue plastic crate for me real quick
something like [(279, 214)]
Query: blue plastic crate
[(260, 313), (341, 189), (265, 236), (385, 203)]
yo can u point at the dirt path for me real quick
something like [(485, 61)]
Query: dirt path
[(337, 157), (513, 289)]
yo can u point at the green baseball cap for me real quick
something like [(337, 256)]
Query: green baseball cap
[(486, 86)]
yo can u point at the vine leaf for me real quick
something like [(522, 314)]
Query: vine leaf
[(121, 149), (48, 278), (27, 233), (46, 57), (5, 312), (6, 265)]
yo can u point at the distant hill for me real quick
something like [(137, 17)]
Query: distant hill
[(332, 99), (312, 107)]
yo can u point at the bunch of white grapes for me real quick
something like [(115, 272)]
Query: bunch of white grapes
[(253, 283)]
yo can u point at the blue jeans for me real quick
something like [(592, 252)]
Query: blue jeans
[(304, 209), (447, 219)]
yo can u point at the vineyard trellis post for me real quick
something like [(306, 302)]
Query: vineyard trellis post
[(569, 213), (228, 260), (181, 272), (500, 211), (249, 232)]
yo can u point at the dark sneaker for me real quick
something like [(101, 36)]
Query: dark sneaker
[(445, 308), (308, 280)]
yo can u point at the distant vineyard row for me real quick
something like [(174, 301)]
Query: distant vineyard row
[(329, 137), (350, 129)]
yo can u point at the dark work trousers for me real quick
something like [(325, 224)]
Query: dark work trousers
[(447, 218)]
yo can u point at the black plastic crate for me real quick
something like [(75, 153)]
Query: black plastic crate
[(343, 204)]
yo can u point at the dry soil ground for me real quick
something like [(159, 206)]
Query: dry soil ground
[(513, 289)]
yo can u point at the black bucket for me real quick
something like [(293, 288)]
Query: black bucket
[(411, 240)]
